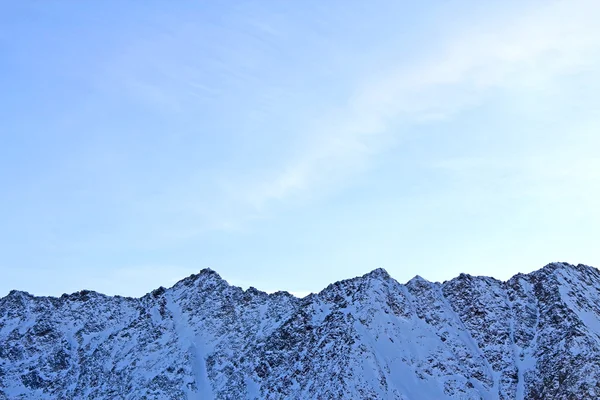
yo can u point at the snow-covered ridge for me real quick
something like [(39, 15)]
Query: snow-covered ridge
[(535, 336)]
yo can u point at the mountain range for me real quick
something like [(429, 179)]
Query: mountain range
[(535, 336)]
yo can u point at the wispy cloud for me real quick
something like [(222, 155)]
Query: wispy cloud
[(160, 130), (534, 49)]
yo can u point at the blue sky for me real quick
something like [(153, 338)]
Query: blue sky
[(287, 145)]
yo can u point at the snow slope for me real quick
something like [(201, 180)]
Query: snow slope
[(536, 336)]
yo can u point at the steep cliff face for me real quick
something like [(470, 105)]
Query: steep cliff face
[(536, 336)]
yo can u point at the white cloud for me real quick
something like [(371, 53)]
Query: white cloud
[(558, 38), (529, 50)]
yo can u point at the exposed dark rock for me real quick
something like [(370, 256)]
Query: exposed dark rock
[(536, 336)]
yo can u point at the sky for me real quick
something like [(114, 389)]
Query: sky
[(288, 145)]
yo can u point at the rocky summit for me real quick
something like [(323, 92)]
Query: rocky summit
[(535, 336)]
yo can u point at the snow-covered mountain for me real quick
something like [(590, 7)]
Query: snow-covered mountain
[(536, 336)]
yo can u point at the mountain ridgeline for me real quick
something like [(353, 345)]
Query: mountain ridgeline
[(535, 336)]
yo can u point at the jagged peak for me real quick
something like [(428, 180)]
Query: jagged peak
[(204, 274), (158, 292), (282, 293), (549, 272), (208, 272), (380, 274), (464, 280), (17, 295), (377, 273), (553, 266), (254, 291), (564, 268), (567, 266), (469, 277), (82, 295), (418, 280), (347, 286), (557, 266)]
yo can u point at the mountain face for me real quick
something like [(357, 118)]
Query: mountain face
[(536, 336)]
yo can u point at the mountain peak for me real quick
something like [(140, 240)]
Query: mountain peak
[(557, 265), (564, 267), (418, 280), (17, 295), (204, 274), (378, 273)]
